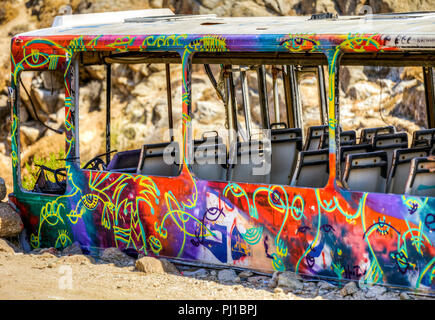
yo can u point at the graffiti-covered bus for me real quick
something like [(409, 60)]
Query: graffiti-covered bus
[(269, 181)]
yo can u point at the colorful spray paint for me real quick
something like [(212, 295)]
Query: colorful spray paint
[(328, 232)]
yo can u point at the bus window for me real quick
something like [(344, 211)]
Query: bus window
[(276, 95), (384, 108), (41, 134), (226, 116), (259, 151), (92, 112), (145, 125), (309, 88)]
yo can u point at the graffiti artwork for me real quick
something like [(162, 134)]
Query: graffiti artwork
[(327, 232)]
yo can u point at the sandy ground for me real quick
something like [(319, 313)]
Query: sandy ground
[(45, 276), (78, 277)]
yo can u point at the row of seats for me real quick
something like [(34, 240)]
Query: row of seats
[(381, 162), (149, 160), (318, 137), (413, 172)]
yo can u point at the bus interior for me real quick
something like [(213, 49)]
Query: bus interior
[(383, 159)]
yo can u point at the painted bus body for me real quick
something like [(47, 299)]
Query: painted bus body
[(329, 232)]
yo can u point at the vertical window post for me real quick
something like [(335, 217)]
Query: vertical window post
[(108, 107), (430, 95), (169, 100), (262, 93), (333, 112), (187, 109)]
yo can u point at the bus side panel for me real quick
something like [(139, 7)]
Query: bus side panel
[(330, 233)]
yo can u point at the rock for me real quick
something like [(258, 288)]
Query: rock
[(10, 222), (31, 132), (73, 249), (47, 252), (6, 247), (359, 295), (289, 280), (349, 289), (156, 3), (375, 292), (52, 80), (154, 265), (77, 259), (404, 296), (249, 9), (388, 296), (227, 275), (2, 189), (274, 281), (259, 280), (363, 90), (310, 286), (324, 285), (44, 100), (117, 257), (245, 274), (200, 273), (169, 267), (413, 103), (278, 290)]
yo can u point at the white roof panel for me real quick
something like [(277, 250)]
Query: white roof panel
[(116, 23)]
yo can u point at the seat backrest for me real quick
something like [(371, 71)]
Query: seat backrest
[(286, 144), (357, 148), (423, 138), (125, 161), (160, 159), (347, 138), (401, 165), (367, 134), (210, 159), (390, 142), (421, 179), (366, 172), (314, 136), (312, 169), (246, 160)]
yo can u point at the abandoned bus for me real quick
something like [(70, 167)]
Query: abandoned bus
[(263, 183)]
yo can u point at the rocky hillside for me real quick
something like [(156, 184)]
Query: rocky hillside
[(397, 98)]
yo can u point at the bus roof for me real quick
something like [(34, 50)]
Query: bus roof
[(164, 22)]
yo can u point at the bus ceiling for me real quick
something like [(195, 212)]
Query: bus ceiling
[(388, 59)]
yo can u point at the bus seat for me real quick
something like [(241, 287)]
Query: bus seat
[(357, 148), (152, 159), (210, 158), (286, 144), (423, 138), (314, 136), (390, 142), (125, 161), (367, 134), (241, 165), (421, 179), (366, 172), (347, 138), (312, 169), (400, 168), (208, 139)]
